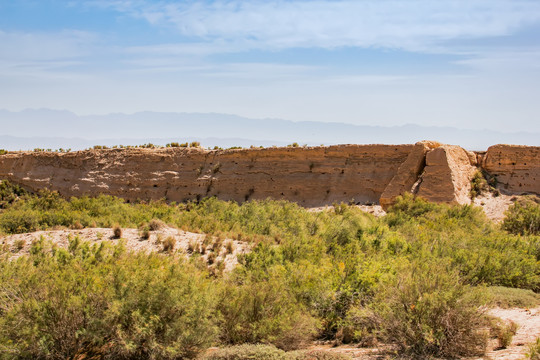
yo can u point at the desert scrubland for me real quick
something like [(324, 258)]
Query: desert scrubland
[(192, 253)]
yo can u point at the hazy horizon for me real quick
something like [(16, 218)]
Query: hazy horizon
[(47, 128), (463, 64)]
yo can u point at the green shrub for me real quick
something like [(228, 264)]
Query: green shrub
[(506, 297), (523, 217), (18, 222), (533, 352), (247, 352), (406, 208), (101, 301), (264, 312), (9, 193), (504, 332), (479, 185), (426, 311)]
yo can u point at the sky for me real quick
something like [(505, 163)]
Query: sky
[(471, 64)]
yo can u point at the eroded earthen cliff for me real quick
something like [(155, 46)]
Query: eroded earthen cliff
[(311, 176), (516, 168)]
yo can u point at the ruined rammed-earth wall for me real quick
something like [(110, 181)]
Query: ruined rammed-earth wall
[(311, 176)]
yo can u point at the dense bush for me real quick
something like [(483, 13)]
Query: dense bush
[(103, 301), (9, 193), (265, 312), (523, 217), (425, 310), (506, 297)]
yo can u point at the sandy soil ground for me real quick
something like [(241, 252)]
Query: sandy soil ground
[(528, 321), (375, 210), (20, 244), (494, 206)]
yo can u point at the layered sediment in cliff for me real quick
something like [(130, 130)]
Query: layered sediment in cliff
[(311, 176)]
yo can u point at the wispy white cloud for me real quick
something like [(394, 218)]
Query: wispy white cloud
[(504, 59), (45, 55), (32, 46), (413, 25)]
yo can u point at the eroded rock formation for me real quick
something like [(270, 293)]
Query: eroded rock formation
[(516, 168), (447, 175), (311, 176)]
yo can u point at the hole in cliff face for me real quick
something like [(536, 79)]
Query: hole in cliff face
[(155, 185), (342, 171), (248, 195)]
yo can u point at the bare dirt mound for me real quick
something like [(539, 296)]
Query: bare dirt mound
[(187, 243)]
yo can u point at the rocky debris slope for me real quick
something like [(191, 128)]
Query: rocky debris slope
[(310, 176)]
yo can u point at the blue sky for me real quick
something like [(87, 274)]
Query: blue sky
[(463, 63)]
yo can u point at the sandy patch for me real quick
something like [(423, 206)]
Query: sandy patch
[(494, 206), (20, 244)]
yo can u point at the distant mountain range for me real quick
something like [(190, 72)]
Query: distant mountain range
[(54, 129)]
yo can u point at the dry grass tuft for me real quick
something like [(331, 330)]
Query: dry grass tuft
[(117, 232), (169, 243)]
